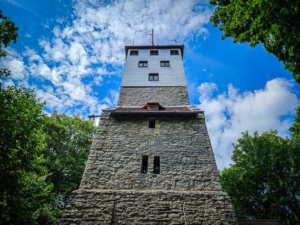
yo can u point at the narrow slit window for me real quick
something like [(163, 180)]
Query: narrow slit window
[(134, 52), (165, 63), (143, 63), (156, 168), (153, 52), (151, 123), (144, 164), (174, 52), (153, 77)]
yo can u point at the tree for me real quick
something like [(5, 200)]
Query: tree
[(8, 33), (295, 128), (274, 23), (25, 197), (41, 158), (264, 180), (67, 144)]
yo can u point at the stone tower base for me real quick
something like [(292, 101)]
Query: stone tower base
[(91, 207)]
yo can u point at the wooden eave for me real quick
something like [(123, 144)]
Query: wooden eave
[(143, 111)]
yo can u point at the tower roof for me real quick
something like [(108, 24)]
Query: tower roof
[(127, 47)]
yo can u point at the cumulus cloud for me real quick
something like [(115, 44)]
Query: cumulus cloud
[(230, 113), (63, 92), (102, 29), (14, 62), (82, 55)]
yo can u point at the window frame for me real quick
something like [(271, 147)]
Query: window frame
[(153, 75), (143, 64), (153, 52), (156, 164), (152, 123), (132, 52), (165, 63), (144, 166), (174, 52)]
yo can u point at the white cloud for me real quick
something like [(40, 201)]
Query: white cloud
[(78, 58), (14, 62), (102, 30), (228, 114)]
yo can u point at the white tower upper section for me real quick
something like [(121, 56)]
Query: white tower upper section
[(158, 66)]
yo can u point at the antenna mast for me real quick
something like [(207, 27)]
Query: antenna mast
[(130, 42), (152, 35), (174, 38), (134, 38)]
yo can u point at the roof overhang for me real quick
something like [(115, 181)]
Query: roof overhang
[(183, 110), (170, 111)]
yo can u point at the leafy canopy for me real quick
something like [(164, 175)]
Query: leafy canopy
[(67, 144), (264, 180), (274, 23), (25, 197), (41, 158), (8, 33)]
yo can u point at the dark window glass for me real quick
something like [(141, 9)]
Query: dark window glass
[(165, 63), (153, 52), (143, 63), (134, 52), (153, 77), (152, 107), (144, 164), (174, 52), (151, 123), (156, 168)]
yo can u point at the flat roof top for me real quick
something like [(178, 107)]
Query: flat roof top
[(127, 47)]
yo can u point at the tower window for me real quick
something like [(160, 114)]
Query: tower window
[(151, 123), (165, 63), (144, 164), (174, 52), (153, 77), (134, 52), (143, 63), (153, 52), (156, 168), (152, 106)]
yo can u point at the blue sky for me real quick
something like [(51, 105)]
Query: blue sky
[(72, 52)]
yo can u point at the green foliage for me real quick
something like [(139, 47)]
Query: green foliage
[(264, 181), (8, 33), (41, 158), (295, 129), (68, 141), (25, 197), (274, 23)]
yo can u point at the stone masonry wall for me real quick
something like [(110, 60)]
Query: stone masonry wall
[(98, 207), (163, 95), (186, 157), (114, 191)]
